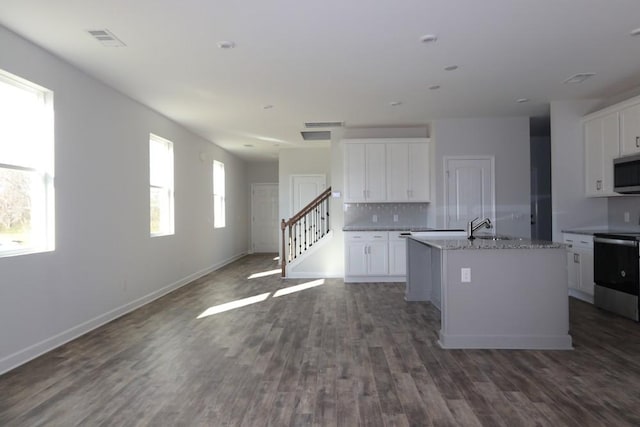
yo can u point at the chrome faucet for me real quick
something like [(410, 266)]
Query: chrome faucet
[(471, 228)]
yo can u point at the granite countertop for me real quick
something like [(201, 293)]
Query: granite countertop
[(383, 228), (502, 243), (592, 230)]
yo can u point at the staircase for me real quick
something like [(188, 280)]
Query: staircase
[(305, 229)]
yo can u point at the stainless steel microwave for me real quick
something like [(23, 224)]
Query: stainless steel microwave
[(626, 174)]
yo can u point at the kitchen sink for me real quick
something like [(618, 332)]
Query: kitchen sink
[(494, 237)]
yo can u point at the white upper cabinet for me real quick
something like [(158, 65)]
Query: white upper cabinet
[(419, 172), (365, 179), (384, 170), (630, 129), (408, 172), (601, 145)]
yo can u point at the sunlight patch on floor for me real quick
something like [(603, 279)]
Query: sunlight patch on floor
[(265, 273), (233, 305), (298, 288)]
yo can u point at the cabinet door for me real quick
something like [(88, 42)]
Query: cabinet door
[(602, 145), (354, 173), (630, 125), (376, 188), (573, 268), (356, 262), (398, 257), (378, 258), (398, 172), (593, 156), (586, 270), (419, 172)]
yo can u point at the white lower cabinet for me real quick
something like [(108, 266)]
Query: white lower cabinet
[(375, 256), (580, 265), (397, 254)]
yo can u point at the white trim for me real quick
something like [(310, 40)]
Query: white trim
[(582, 296), (252, 213), (313, 275), (445, 159), (23, 356), (384, 140), (516, 342), (375, 279)]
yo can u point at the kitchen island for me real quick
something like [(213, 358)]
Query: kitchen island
[(507, 293)]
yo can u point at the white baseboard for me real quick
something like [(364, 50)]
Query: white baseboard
[(375, 279), (23, 356), (313, 275), (581, 295), (512, 342)]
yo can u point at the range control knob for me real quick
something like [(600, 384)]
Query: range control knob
[(623, 273)]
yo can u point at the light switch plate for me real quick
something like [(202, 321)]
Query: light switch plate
[(626, 217), (465, 275)]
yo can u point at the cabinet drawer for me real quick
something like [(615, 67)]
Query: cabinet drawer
[(351, 236), (397, 235), (579, 240)]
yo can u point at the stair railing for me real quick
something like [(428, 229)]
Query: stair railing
[(305, 228)]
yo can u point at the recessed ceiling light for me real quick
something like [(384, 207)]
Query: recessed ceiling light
[(429, 38), (579, 78), (451, 68), (635, 32), (267, 107), (522, 100), (226, 44), (434, 87), (395, 103)]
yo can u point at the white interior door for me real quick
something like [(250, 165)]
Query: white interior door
[(305, 188), (264, 218), (469, 190)]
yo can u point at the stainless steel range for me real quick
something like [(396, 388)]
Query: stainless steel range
[(616, 273)]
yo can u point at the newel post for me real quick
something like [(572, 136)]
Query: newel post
[(283, 256)]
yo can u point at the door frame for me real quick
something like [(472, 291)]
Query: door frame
[(445, 160), (253, 185), (291, 188)]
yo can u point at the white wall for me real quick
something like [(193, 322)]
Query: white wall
[(507, 139), (570, 208), (300, 161), (105, 263)]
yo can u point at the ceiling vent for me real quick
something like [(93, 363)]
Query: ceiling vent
[(106, 38), (323, 124), (317, 135), (579, 78)]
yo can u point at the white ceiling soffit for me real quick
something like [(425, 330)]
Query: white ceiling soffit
[(250, 72)]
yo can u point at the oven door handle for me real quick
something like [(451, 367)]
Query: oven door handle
[(632, 243)]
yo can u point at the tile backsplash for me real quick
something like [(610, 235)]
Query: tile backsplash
[(386, 214), (618, 207)]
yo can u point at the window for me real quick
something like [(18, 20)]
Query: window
[(161, 185), (26, 167), (218, 195)]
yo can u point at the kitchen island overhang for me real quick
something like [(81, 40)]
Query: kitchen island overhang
[(516, 296)]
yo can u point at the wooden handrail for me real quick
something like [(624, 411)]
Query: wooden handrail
[(312, 204), (315, 224)]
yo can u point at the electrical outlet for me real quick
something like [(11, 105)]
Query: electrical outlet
[(375, 218), (465, 275), (395, 217), (626, 217)]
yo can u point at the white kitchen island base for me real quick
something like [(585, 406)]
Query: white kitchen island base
[(516, 297)]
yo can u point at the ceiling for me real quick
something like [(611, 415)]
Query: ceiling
[(339, 60)]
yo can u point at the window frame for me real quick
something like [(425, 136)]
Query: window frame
[(42, 198), (219, 195), (169, 187)]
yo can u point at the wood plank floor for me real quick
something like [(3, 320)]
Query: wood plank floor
[(332, 354)]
